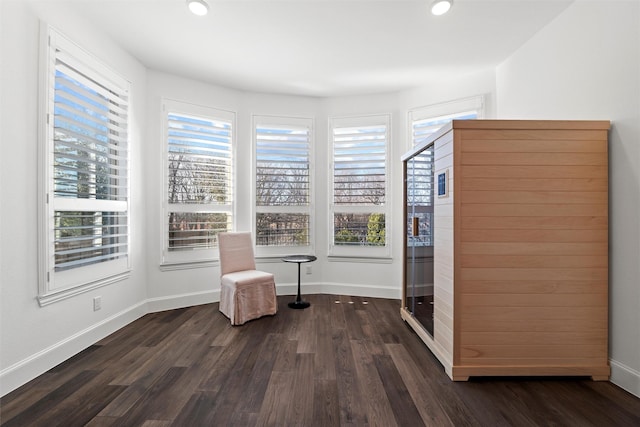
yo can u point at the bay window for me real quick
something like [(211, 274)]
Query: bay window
[(359, 190), (199, 188), (84, 163), (283, 214)]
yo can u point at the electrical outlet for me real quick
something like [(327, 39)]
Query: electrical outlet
[(308, 269), (97, 303)]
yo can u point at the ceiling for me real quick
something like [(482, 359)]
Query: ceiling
[(319, 47)]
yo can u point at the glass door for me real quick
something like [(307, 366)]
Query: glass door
[(419, 195)]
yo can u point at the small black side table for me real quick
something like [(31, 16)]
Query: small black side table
[(299, 259)]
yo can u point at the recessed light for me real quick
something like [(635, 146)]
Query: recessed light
[(440, 7), (198, 7)]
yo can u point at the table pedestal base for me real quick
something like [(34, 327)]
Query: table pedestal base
[(299, 304), (299, 259)]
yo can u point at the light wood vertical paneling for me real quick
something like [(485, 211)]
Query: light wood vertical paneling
[(521, 249), (443, 249), (531, 284)]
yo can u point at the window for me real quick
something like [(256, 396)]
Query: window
[(426, 120), (282, 184), (358, 203), (84, 156), (198, 181)]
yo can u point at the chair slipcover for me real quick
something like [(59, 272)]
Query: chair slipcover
[(245, 293)]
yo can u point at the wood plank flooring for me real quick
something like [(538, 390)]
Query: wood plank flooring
[(351, 363)]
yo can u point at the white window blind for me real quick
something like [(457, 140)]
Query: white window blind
[(199, 180), (422, 129), (86, 158), (283, 181), (420, 197), (359, 172), (427, 120), (359, 158)]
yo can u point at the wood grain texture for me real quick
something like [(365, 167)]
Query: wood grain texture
[(443, 246), (533, 209), (528, 220), (256, 375)]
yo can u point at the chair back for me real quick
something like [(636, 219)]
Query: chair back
[(236, 252)]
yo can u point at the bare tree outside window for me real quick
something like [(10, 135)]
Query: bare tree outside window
[(199, 167), (89, 163), (359, 185), (282, 185)]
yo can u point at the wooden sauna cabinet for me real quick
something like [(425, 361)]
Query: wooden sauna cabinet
[(517, 265)]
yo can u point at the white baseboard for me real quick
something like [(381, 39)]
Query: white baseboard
[(339, 289), (183, 300), (206, 297), (27, 369), (625, 377), (390, 292)]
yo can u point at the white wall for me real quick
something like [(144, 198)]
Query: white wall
[(169, 288), (57, 331), (34, 338), (482, 82), (586, 65)]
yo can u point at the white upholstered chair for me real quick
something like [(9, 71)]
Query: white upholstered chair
[(245, 293)]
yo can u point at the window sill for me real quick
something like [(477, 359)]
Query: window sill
[(172, 266), (377, 260), (60, 295)]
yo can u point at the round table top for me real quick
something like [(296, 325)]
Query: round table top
[(299, 258)]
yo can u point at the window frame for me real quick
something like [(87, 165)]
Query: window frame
[(446, 111), (284, 122), (196, 257), (54, 286), (364, 253)]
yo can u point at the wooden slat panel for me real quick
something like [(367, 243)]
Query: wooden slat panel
[(524, 171), (532, 300), (533, 286), (443, 209), (533, 125), (523, 326), (534, 214), (443, 162), (444, 278), (445, 222), (506, 209), (530, 351), (530, 243), (580, 366), (534, 159), (534, 235), (443, 304), (534, 273), (535, 135), (590, 337), (445, 341), (534, 261), (531, 248), (536, 222), (444, 247), (541, 183), (533, 313), (542, 196), (540, 146), (445, 319)]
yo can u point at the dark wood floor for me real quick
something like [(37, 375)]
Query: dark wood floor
[(348, 363)]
